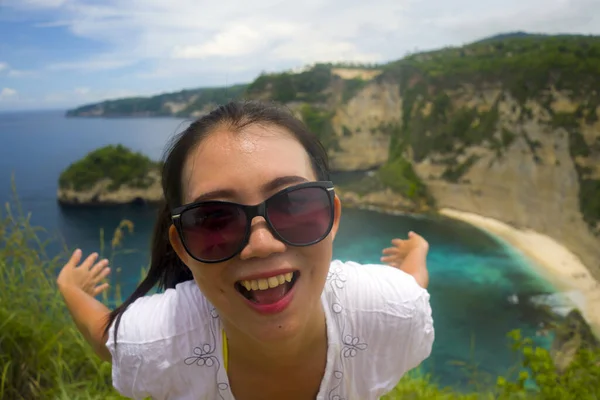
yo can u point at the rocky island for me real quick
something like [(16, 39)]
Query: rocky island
[(110, 175)]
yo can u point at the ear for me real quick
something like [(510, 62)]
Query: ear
[(337, 214), (177, 245)]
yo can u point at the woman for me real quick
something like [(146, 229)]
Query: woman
[(254, 306)]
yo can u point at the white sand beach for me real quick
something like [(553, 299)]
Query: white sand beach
[(557, 263)]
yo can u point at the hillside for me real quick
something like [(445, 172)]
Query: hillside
[(506, 127), (185, 103)]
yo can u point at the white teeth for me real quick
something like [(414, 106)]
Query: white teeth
[(269, 283)]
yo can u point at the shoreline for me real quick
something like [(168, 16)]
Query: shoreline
[(550, 258)]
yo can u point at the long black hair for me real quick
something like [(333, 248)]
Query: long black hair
[(166, 268)]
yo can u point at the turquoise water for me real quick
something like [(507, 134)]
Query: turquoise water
[(472, 274)]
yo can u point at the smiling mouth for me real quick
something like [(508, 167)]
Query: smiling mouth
[(267, 291)]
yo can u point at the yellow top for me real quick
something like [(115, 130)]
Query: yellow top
[(225, 356)]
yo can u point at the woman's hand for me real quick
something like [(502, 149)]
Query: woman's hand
[(87, 276), (395, 255), (409, 256)]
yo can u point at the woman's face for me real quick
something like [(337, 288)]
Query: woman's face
[(248, 167)]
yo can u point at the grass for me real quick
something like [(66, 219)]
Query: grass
[(43, 355)]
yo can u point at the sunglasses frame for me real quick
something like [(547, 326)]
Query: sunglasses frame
[(253, 211)]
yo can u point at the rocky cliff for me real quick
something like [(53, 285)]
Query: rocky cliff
[(544, 176)]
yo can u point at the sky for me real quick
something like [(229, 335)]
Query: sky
[(58, 54)]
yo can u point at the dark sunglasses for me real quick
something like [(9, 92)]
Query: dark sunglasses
[(215, 231)]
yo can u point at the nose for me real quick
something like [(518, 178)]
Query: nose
[(261, 242)]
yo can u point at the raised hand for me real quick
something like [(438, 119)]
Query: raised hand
[(88, 276), (395, 255)]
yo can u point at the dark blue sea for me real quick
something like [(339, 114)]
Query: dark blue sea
[(472, 274)]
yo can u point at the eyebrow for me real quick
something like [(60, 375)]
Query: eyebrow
[(266, 188)]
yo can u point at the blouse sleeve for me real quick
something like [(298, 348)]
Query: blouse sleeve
[(141, 357), (395, 315)]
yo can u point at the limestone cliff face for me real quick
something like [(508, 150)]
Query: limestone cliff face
[(534, 182), (102, 194), (363, 144)]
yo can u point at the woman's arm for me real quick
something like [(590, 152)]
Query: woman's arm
[(78, 285)]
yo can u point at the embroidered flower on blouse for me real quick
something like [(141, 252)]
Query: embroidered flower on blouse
[(202, 356), (351, 346)]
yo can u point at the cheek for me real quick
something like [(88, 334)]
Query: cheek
[(319, 257), (209, 279)]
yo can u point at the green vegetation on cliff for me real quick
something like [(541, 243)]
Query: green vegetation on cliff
[(318, 121), (524, 65), (287, 87), (311, 85), (43, 355), (179, 104), (117, 163)]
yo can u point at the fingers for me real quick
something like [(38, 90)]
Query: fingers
[(100, 289), (390, 250), (87, 264), (74, 260), (398, 242), (100, 270)]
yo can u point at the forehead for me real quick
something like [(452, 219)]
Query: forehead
[(242, 161)]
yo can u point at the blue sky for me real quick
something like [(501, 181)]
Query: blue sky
[(64, 53)]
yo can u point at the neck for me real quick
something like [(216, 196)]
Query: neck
[(277, 355)]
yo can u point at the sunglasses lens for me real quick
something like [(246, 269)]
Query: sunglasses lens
[(302, 216), (213, 232)]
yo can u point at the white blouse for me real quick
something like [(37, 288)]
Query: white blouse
[(379, 326)]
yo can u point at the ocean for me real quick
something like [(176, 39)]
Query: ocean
[(472, 274)]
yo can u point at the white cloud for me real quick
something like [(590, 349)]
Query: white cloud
[(95, 64), (5, 93), (224, 42), (541, 16), (14, 73), (236, 40), (19, 73), (192, 33), (183, 34)]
